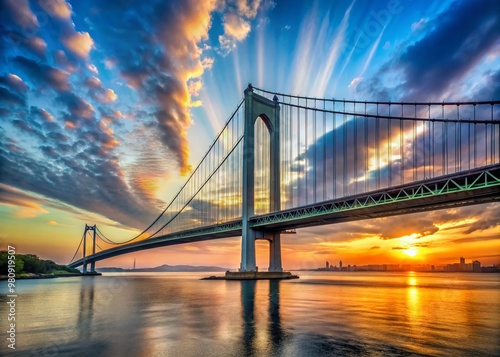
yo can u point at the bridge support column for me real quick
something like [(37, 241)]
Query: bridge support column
[(258, 106), (85, 263), (275, 253), (84, 266), (248, 249)]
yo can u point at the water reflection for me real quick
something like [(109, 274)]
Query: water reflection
[(248, 307), (254, 341), (86, 311), (335, 314), (276, 330)]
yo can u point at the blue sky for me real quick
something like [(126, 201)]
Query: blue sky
[(105, 105)]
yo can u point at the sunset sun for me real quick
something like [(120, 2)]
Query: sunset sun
[(411, 251)]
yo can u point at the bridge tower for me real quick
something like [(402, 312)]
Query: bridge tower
[(92, 263), (260, 108)]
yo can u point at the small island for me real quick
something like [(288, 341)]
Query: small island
[(30, 266)]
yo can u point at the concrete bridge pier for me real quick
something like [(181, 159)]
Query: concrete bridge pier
[(274, 239), (275, 253)]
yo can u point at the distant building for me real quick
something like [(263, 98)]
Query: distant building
[(462, 263), (476, 266), (340, 265), (327, 265)]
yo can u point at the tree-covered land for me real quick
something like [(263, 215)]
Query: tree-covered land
[(27, 264)]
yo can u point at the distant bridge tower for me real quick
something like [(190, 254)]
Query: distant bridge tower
[(92, 263), (260, 108)]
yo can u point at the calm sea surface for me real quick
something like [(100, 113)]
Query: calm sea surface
[(320, 314)]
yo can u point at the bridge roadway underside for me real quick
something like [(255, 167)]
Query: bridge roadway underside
[(467, 188)]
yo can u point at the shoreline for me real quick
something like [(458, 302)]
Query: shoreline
[(47, 276)]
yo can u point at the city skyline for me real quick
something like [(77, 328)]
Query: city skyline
[(462, 266), (106, 109)]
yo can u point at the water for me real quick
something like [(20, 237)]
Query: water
[(320, 314)]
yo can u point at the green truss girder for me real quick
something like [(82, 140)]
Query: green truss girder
[(220, 228), (484, 179)]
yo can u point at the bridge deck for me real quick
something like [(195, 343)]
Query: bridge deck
[(472, 187)]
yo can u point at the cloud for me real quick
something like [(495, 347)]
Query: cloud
[(13, 39), (236, 27), (80, 43), (92, 68), (76, 105), (38, 46), (57, 8), (417, 26), (80, 171), (62, 60), (158, 59), (54, 223), (13, 90), (43, 74), (98, 92), (27, 205), (236, 22), (9, 98), (20, 12), (93, 82), (109, 96), (207, 62), (14, 82), (248, 8), (451, 46), (355, 82)]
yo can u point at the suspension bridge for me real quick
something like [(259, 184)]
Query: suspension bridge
[(283, 162)]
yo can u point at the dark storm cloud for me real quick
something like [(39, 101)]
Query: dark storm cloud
[(454, 42), (459, 38), (43, 75)]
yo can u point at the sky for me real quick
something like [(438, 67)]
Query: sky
[(106, 106)]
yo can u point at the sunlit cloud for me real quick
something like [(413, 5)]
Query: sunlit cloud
[(108, 96), (80, 43), (57, 8), (26, 205)]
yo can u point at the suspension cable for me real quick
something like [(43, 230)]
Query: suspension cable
[(185, 184), (492, 102), (79, 245), (379, 116)]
